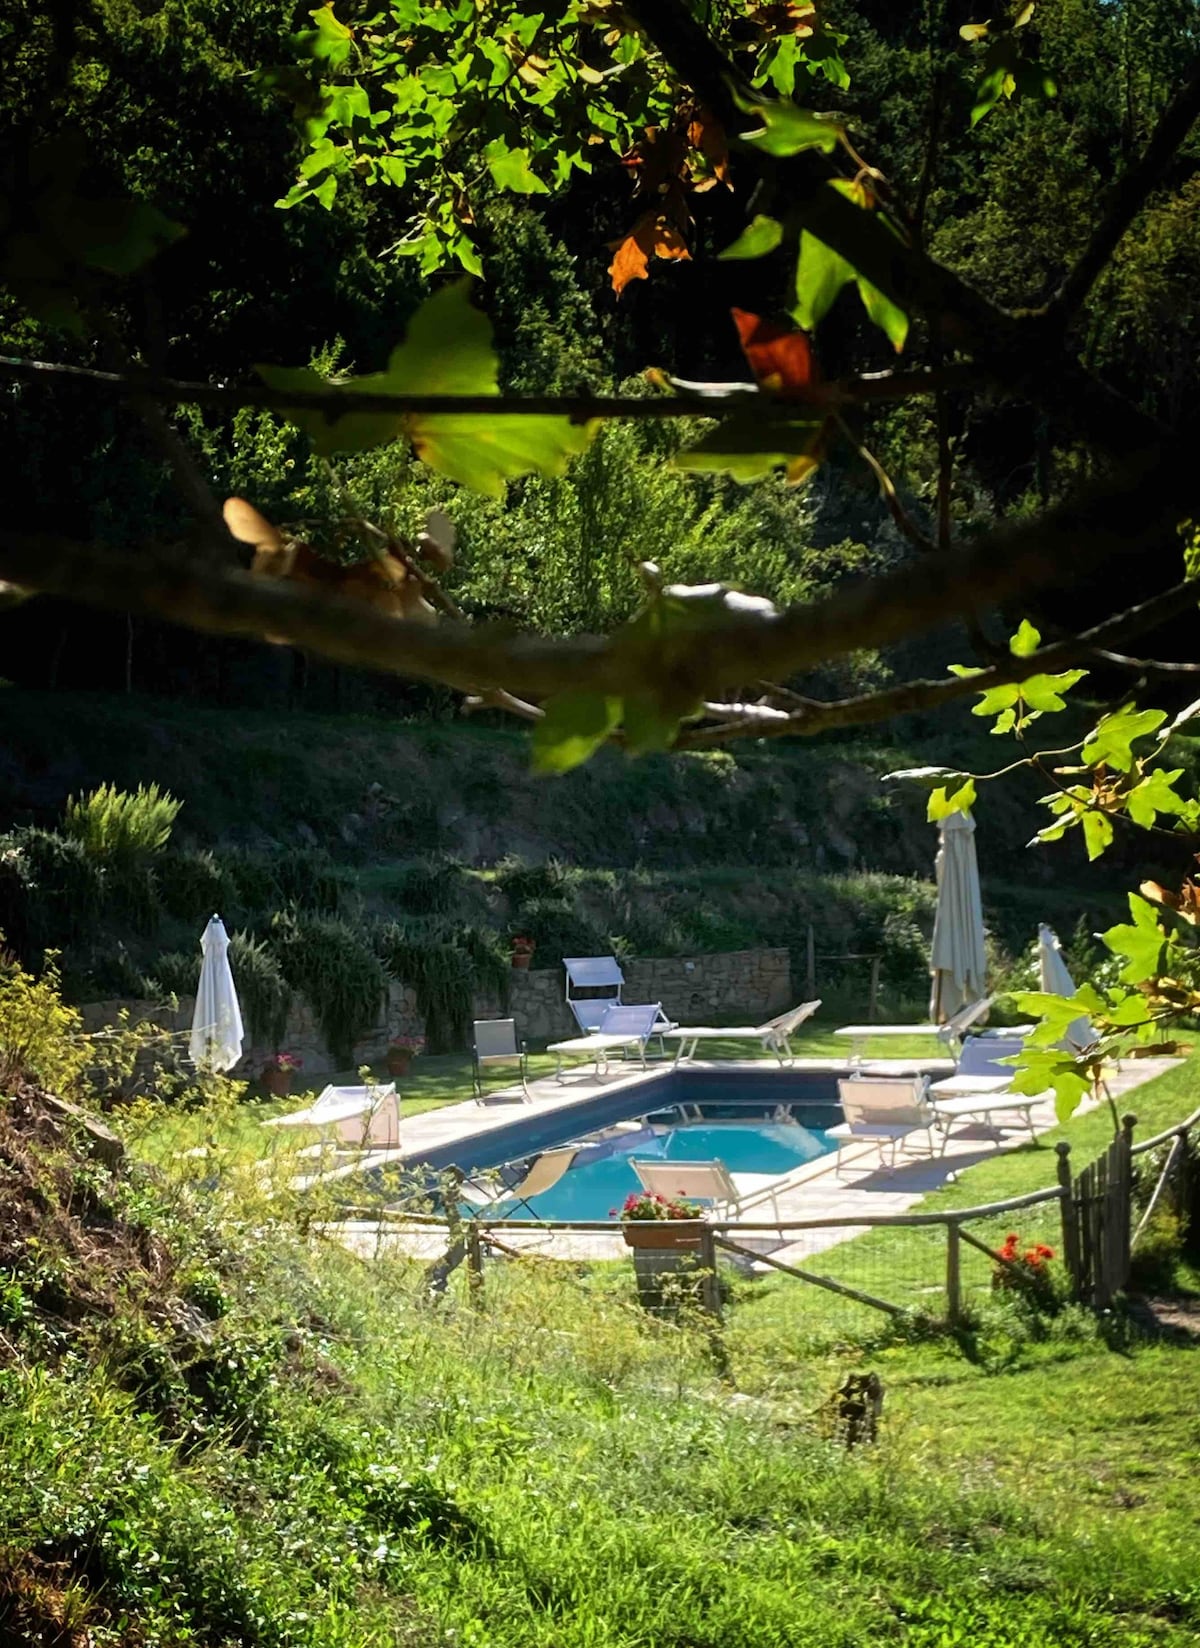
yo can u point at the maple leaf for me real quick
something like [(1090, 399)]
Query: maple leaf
[(656, 158), (784, 16), (384, 581), (651, 236), (706, 133), (780, 357)]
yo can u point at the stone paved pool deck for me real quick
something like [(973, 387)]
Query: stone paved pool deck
[(813, 1191)]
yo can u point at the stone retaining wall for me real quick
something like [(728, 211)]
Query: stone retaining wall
[(750, 984)]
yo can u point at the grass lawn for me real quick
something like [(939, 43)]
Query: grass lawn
[(231, 1433)]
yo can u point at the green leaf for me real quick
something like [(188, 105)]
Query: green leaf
[(511, 169), (747, 448), (951, 798), (1097, 833), (651, 725), (760, 236), (929, 778), (447, 351), (1026, 641), (988, 93), (1110, 741), (330, 42), (1039, 1069), (888, 316), (1043, 693), (573, 727), (1142, 943), (1156, 794), (821, 274), (788, 130)]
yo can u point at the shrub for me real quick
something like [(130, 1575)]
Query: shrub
[(1154, 1266), (521, 882), (40, 1037), (53, 890), (263, 991), (308, 879), (175, 973), (442, 977), (429, 887), (114, 826), (335, 969), (194, 883), (559, 928)]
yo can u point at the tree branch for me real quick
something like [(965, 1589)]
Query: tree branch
[(738, 721), (1129, 194), (707, 401), (1107, 527)]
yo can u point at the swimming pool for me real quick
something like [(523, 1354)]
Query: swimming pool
[(600, 1177)]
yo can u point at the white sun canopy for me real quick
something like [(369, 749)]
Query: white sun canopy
[(957, 961), (216, 1039)]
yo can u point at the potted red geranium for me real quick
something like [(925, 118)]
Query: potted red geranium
[(401, 1051), (277, 1074), (522, 951), (649, 1222)]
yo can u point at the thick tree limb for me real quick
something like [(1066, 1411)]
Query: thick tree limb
[(709, 402), (1130, 193), (1104, 530), (741, 721)]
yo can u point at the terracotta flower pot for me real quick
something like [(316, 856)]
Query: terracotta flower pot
[(278, 1083), (399, 1061), (657, 1233), (522, 958)]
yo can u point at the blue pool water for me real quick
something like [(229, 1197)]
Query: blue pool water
[(601, 1177)]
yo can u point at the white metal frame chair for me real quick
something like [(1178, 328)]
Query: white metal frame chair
[(884, 1110), (494, 1042)]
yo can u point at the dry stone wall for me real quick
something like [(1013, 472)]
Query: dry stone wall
[(746, 984)]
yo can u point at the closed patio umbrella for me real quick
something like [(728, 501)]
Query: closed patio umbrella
[(957, 959), (1057, 981), (216, 1039)]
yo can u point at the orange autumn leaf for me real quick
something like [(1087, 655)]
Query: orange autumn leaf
[(651, 236), (707, 134), (780, 357), (384, 581)]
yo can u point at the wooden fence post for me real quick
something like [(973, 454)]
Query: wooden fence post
[(474, 1266), (953, 1273), (810, 965), (710, 1287), (1069, 1212)]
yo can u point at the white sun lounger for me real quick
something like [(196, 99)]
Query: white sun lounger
[(543, 1174), (949, 1034), (709, 1182), (773, 1036), (621, 1029), (883, 1110), (981, 1087)]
